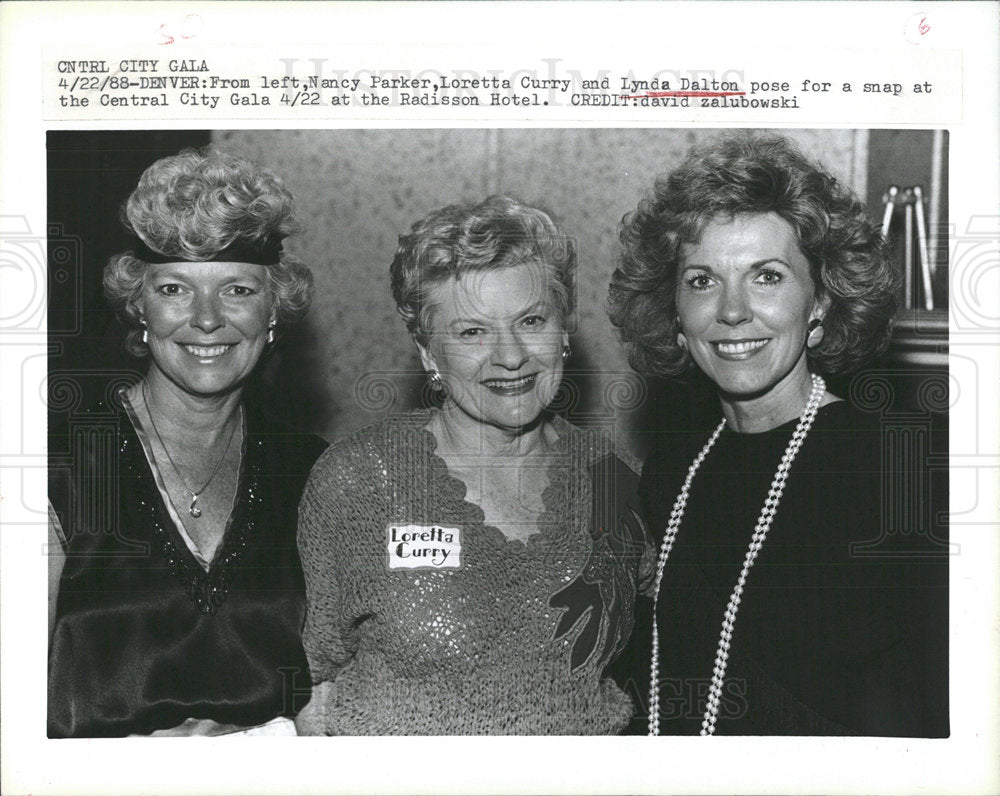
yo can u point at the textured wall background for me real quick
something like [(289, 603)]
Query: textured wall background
[(357, 190)]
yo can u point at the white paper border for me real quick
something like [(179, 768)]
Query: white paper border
[(966, 763)]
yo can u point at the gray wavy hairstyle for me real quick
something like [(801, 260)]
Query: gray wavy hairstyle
[(499, 232)]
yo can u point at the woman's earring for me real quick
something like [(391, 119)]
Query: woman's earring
[(815, 336), (145, 331), (566, 352), (682, 342), (435, 379), (270, 331)]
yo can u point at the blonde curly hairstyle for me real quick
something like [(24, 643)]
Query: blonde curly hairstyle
[(192, 206)]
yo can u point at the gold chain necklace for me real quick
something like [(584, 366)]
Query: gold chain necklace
[(194, 509)]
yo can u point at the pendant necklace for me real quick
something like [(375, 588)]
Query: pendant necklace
[(194, 509), (756, 543)]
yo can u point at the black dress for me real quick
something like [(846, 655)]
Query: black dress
[(145, 638), (834, 635)]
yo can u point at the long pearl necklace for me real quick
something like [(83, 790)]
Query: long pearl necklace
[(756, 543)]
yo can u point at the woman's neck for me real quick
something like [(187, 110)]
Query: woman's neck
[(179, 414), (784, 402), (458, 433)]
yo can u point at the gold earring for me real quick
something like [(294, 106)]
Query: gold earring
[(145, 331)]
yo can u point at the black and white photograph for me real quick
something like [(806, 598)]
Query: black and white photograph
[(496, 350), (416, 397)]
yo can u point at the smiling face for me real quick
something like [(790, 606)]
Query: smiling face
[(207, 323), (497, 338), (745, 296)]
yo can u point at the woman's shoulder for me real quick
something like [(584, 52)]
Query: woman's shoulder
[(299, 448), (376, 438), (356, 473), (78, 449), (367, 450), (843, 414), (594, 444), (672, 451), (108, 412), (847, 431)]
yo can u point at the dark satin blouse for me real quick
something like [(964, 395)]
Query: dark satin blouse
[(144, 637)]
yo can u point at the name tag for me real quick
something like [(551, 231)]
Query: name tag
[(423, 547)]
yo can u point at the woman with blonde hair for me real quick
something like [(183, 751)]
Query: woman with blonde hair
[(180, 597), (472, 569)]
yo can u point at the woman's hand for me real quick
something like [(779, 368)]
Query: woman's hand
[(57, 560)]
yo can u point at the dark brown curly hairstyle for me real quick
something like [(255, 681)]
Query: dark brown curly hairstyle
[(745, 173)]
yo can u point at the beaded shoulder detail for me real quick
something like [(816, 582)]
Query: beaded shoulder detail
[(208, 590), (403, 445), (567, 475)]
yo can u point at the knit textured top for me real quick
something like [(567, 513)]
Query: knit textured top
[(423, 619)]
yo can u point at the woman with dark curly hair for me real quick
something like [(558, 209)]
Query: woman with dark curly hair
[(766, 274), (180, 598), (472, 570)]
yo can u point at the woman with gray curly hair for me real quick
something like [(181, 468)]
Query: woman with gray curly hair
[(472, 569), (180, 598), (757, 268)]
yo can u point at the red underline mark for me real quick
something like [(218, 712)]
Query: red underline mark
[(685, 94)]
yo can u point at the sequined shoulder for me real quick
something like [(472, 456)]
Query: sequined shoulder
[(594, 443)]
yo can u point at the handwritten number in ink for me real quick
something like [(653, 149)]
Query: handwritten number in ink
[(167, 36), (190, 27), (916, 28)]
